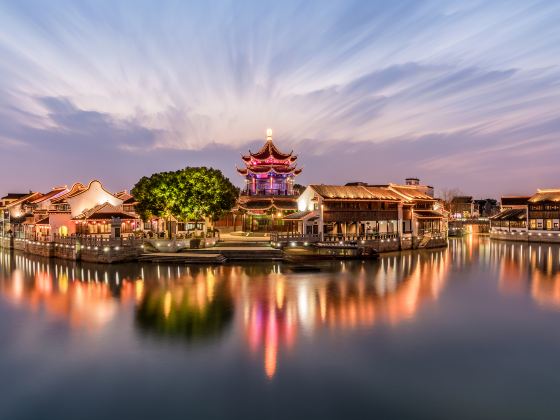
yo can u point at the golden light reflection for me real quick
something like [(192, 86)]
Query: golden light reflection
[(273, 307), (385, 292), (532, 269)]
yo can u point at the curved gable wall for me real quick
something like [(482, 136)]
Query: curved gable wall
[(91, 197)]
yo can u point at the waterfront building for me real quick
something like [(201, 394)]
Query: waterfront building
[(543, 211), (63, 211), (76, 207), (358, 211), (269, 192), (511, 220), (533, 219), (16, 212)]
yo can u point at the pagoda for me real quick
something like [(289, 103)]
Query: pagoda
[(269, 187)]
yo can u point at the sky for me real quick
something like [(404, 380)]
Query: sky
[(464, 95)]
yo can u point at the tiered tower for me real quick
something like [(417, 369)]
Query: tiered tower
[(269, 172), (269, 193)]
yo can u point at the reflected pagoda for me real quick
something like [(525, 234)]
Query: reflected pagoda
[(269, 187)]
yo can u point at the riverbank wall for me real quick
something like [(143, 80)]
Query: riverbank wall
[(533, 237), (109, 251)]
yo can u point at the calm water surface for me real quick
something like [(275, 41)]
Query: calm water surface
[(469, 332)]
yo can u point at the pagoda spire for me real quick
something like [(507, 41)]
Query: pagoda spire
[(269, 134)]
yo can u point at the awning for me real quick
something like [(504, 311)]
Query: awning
[(301, 215), (428, 214)]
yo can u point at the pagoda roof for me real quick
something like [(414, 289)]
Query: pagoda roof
[(269, 150), (268, 203), (262, 169)]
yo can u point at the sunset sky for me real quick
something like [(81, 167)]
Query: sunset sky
[(461, 94)]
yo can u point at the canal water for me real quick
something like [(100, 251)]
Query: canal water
[(468, 332)]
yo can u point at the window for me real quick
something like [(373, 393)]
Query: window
[(533, 224)]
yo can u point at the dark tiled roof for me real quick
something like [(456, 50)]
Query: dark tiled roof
[(14, 196), (511, 214), (514, 200), (269, 150), (263, 169)]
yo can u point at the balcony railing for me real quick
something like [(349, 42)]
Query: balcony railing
[(268, 192)]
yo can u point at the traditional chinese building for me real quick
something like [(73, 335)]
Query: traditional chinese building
[(533, 219), (543, 213), (512, 219), (268, 194), (361, 212)]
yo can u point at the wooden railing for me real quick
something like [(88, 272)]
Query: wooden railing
[(358, 237), (332, 238), (315, 237)]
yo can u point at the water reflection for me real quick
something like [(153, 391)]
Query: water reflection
[(271, 306), (193, 306), (352, 295), (532, 269)]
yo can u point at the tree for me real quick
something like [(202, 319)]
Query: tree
[(298, 188), (192, 193), (205, 193), (447, 195)]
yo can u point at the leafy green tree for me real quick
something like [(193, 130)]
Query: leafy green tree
[(207, 194), (192, 193), (175, 312)]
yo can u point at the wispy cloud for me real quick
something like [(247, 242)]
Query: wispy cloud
[(462, 84)]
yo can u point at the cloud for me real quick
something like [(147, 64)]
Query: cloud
[(463, 87)]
